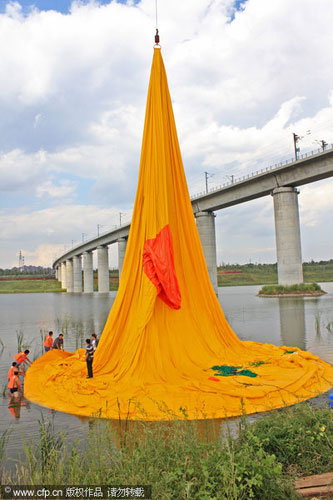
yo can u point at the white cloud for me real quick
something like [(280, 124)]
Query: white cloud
[(19, 170), (43, 255), (316, 203), (56, 229), (48, 189), (73, 91)]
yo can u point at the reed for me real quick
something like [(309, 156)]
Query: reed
[(22, 343), (184, 459), (317, 323), (4, 390), (3, 443)]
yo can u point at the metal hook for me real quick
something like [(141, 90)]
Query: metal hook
[(157, 38)]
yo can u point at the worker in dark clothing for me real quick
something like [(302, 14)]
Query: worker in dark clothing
[(59, 342), (89, 357)]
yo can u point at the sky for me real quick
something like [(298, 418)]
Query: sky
[(243, 76)]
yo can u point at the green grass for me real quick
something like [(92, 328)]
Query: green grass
[(290, 290), (318, 271), (113, 280), (30, 286), (266, 274), (187, 459)]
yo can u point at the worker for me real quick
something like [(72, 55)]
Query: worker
[(59, 342), (94, 341), (14, 384), (22, 357), (89, 358), (11, 370), (48, 344)]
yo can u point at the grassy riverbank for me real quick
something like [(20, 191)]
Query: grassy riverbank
[(30, 286), (266, 274), (187, 460)]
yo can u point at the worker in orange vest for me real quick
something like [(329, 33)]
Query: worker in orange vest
[(14, 384), (48, 342), (12, 369), (22, 357)]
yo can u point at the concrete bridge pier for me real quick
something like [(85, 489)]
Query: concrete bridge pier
[(103, 269), (88, 272), (206, 228), (288, 236), (122, 242), (77, 274), (63, 275), (69, 275), (59, 273)]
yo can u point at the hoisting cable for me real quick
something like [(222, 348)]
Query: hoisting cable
[(157, 36), (156, 14)]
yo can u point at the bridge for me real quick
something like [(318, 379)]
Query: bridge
[(280, 181)]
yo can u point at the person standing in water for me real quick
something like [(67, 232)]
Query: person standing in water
[(48, 344), (59, 342), (89, 357), (94, 341), (12, 369), (22, 357), (14, 384)]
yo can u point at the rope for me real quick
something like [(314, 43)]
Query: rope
[(156, 13)]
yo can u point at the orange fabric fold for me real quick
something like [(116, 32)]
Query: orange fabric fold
[(159, 266)]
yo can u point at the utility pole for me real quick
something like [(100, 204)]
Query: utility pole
[(98, 228), (296, 149), (323, 145), (83, 235), (207, 175), (231, 177), (21, 261), (120, 214), (296, 139)]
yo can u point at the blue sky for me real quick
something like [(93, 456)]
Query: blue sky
[(58, 5), (64, 5), (243, 77)]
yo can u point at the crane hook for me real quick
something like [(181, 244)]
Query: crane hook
[(157, 37)]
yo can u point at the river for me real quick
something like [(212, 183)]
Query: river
[(303, 322)]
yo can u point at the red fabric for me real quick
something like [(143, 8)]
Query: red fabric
[(214, 379), (159, 266)]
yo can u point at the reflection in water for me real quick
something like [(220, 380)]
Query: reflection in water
[(15, 405), (292, 321)]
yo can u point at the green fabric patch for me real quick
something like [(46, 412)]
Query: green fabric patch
[(257, 363), (288, 352), (229, 371)]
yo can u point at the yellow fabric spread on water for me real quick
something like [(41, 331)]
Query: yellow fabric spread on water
[(166, 330)]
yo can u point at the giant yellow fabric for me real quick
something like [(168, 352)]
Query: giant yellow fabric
[(154, 361)]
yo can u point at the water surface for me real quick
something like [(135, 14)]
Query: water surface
[(301, 322)]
